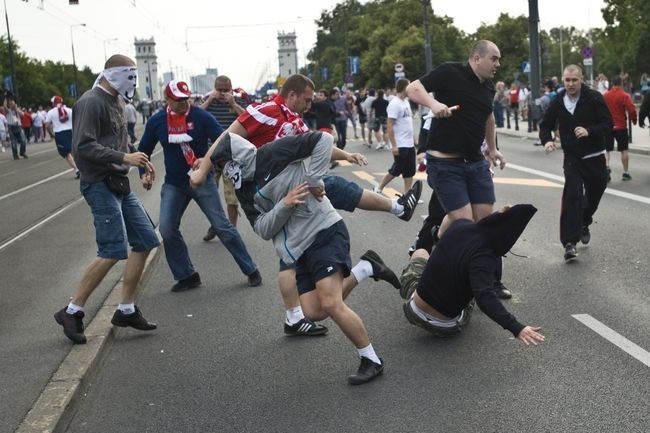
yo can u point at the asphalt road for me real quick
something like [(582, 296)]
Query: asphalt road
[(220, 363)]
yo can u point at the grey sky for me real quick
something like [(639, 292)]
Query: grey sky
[(237, 37)]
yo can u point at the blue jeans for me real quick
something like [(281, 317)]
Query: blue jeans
[(341, 129), (174, 201), (119, 221)]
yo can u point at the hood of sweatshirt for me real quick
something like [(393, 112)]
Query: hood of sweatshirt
[(232, 147)]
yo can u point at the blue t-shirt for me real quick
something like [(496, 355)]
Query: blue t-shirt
[(201, 126)]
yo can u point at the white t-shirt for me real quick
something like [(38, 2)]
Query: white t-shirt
[(367, 104), (400, 110), (52, 117), (37, 119)]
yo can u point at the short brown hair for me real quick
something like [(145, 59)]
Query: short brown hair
[(296, 83), (118, 60), (401, 84), (222, 79)]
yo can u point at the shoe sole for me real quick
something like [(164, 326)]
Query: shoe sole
[(309, 334), (570, 258), (185, 289)]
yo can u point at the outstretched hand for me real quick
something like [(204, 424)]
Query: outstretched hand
[(530, 335)]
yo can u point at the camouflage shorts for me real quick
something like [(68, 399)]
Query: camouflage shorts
[(411, 276), (228, 188)]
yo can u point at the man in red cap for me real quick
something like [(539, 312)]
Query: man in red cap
[(58, 122), (183, 130)]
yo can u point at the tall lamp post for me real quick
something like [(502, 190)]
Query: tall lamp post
[(74, 62), (107, 40), (427, 39), (14, 85)]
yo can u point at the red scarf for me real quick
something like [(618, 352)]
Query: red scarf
[(177, 133), (294, 124)]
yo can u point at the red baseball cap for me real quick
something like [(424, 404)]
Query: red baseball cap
[(177, 90)]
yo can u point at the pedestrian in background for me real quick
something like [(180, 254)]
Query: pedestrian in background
[(584, 123), (59, 122), (101, 150), (131, 119), (621, 108), (380, 116)]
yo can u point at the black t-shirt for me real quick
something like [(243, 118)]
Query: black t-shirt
[(463, 132), (461, 267), (380, 106), (323, 112)]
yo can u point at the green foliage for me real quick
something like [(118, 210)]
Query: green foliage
[(38, 81), (382, 33)]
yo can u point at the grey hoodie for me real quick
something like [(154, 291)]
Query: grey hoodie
[(268, 173)]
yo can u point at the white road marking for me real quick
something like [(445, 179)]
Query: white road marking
[(34, 227), (614, 337), (42, 181), (615, 192)]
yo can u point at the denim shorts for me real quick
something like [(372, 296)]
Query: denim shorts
[(342, 193), (119, 222), (458, 182), (329, 253)]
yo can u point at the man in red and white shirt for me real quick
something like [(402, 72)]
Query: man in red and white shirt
[(263, 123), (619, 103)]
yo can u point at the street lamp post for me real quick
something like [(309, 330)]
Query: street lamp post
[(108, 40), (74, 61), (427, 39), (14, 84)]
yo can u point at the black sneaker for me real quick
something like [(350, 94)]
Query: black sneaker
[(134, 320), (305, 327), (502, 291), (73, 325), (585, 235), (609, 175), (379, 269), (211, 234), (367, 371), (255, 279), (570, 252), (77, 175), (191, 282), (410, 200)]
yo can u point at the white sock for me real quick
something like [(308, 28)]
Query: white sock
[(369, 352), (396, 208), (127, 308), (362, 270), (294, 315), (73, 308)]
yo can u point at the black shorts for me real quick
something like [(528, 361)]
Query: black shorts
[(404, 163), (622, 140), (363, 118), (329, 253), (63, 141), (380, 122)]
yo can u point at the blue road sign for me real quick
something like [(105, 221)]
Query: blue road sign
[(8, 83), (72, 90), (325, 73), (355, 64), (587, 53), (525, 67)]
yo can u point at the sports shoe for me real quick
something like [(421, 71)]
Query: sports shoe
[(77, 175), (570, 252), (255, 279), (191, 282), (73, 325), (305, 327), (585, 235), (377, 190), (211, 234), (334, 164), (379, 146), (626, 176), (502, 291), (379, 269), (410, 200), (134, 320), (609, 175), (367, 371)]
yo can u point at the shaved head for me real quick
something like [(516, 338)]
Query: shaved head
[(118, 60)]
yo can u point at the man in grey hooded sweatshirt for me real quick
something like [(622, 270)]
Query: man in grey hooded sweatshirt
[(286, 202)]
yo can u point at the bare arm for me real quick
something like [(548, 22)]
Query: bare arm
[(202, 166), (391, 135), (419, 95), (494, 156)]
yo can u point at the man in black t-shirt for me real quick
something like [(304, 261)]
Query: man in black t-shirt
[(379, 113), (440, 290), (456, 168)]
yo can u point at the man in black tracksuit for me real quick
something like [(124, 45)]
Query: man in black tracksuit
[(584, 121)]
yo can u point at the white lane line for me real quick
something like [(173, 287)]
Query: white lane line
[(25, 188), (614, 337), (615, 192), (34, 227)]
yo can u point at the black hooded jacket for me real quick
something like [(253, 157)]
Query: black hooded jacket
[(462, 265)]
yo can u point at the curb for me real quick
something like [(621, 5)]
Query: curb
[(56, 406), (632, 148)]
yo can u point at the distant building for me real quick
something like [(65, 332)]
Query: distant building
[(167, 77), (287, 54), (204, 83), (146, 60)]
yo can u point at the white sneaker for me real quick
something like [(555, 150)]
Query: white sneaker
[(377, 190), (379, 146)]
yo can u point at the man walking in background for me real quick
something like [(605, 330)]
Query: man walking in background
[(621, 108)]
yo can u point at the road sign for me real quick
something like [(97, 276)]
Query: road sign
[(355, 64), (525, 67), (587, 53), (9, 85), (588, 61), (325, 73), (399, 75), (399, 67)]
